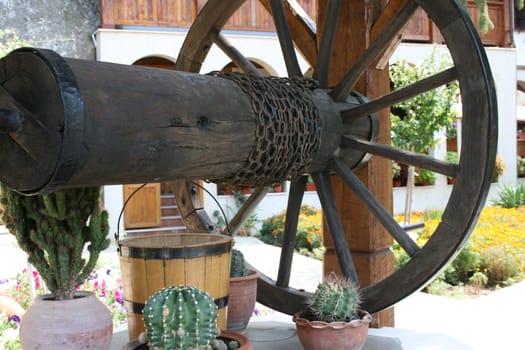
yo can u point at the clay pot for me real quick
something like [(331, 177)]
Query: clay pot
[(243, 341), (80, 323), (241, 302), (319, 335), (310, 187)]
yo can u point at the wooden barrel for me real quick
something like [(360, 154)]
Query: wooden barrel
[(150, 263)]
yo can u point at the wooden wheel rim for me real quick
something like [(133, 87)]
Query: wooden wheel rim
[(479, 141)]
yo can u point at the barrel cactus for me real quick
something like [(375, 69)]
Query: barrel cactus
[(180, 317), (238, 266), (335, 299)]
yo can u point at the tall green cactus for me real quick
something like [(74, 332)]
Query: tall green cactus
[(238, 266), (335, 299), (180, 317), (53, 229)]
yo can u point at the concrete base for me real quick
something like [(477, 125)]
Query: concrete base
[(266, 335)]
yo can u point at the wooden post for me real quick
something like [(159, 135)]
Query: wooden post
[(368, 240)]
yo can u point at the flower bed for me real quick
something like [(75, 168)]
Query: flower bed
[(494, 254)]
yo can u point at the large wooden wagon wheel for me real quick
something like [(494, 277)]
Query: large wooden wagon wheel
[(354, 115)]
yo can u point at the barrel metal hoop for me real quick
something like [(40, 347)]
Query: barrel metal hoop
[(72, 150), (288, 128), (186, 252)]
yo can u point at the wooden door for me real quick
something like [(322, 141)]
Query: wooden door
[(143, 209)]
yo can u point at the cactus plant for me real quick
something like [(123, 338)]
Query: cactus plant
[(53, 229), (238, 266), (335, 299), (333, 319), (180, 317)]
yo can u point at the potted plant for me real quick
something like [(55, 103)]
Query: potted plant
[(396, 173), (277, 187), (521, 166), (184, 317), (499, 168), (310, 185), (53, 229), (451, 157), (425, 177), (243, 292), (333, 319), (521, 133)]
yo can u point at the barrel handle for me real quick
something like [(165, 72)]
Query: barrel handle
[(117, 233)]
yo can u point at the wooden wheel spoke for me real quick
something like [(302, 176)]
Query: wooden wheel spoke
[(327, 42), (367, 44), (326, 196), (236, 56), (401, 95), (285, 39), (295, 199), (247, 209), (302, 27), (376, 208), (402, 156), (373, 52)]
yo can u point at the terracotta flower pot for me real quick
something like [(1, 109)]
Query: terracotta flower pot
[(243, 341), (80, 323), (310, 187), (242, 297), (319, 335)]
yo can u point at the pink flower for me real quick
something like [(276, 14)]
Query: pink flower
[(36, 279)]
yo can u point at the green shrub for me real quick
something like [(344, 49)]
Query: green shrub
[(498, 265), (440, 287), (309, 229), (425, 177), (511, 196), (400, 256), (478, 279), (432, 214), (463, 266)]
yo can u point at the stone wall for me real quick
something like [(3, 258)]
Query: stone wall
[(65, 26)]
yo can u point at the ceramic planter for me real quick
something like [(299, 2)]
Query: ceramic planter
[(318, 335), (243, 294), (81, 323)]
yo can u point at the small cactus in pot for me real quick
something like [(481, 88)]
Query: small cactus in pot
[(336, 299), (332, 318), (243, 292), (238, 265), (180, 317)]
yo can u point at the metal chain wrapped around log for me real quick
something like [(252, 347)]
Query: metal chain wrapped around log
[(288, 128)]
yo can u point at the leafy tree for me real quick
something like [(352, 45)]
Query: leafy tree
[(416, 121)]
